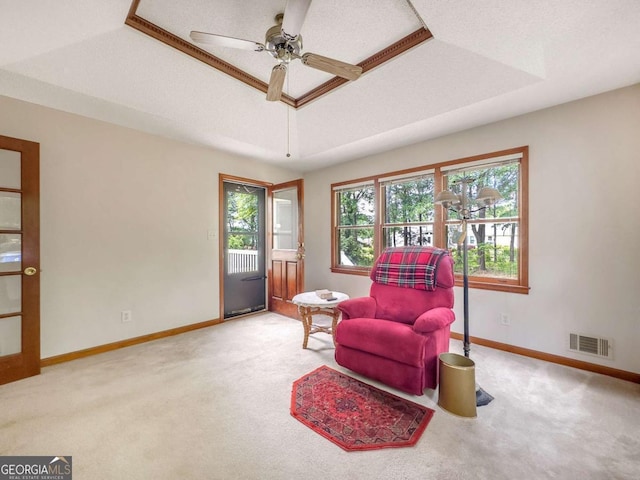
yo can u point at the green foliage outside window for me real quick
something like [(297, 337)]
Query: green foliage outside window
[(399, 210), (355, 233), (356, 247), (408, 212), (242, 220), (497, 261), (492, 246)]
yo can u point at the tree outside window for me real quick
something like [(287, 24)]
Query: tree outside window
[(355, 229), (408, 211), (493, 233), (397, 209), (242, 220)]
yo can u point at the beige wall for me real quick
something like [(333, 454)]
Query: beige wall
[(124, 226), (125, 217), (584, 225)]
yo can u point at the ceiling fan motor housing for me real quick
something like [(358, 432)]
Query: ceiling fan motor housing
[(278, 45)]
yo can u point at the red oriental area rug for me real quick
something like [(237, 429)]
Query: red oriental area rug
[(355, 415)]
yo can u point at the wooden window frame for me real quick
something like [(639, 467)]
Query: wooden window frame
[(393, 179), (335, 190), (518, 285)]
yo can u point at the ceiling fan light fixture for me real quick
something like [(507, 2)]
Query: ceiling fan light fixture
[(278, 46)]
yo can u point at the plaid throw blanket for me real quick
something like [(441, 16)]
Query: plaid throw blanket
[(408, 267)]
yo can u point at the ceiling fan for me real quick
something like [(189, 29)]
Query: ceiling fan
[(284, 42)]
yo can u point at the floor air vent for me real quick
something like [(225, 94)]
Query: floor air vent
[(600, 347)]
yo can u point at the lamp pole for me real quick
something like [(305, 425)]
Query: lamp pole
[(460, 204), (465, 262), (465, 289)]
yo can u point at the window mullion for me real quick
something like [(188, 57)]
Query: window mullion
[(377, 217), (439, 239)]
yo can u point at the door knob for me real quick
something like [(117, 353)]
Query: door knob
[(30, 271)]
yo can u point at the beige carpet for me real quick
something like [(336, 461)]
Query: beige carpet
[(214, 404)]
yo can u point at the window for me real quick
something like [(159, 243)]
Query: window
[(493, 232), (242, 236), (285, 219), (355, 215), (408, 211), (398, 209)]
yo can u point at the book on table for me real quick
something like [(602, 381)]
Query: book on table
[(324, 293)]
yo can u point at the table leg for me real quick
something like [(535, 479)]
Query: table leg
[(305, 315)]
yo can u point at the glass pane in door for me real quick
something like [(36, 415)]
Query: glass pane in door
[(242, 231), (285, 219), (9, 169), (10, 252), (10, 211), (10, 335), (10, 294)]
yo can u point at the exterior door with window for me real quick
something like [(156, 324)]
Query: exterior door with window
[(19, 259), (286, 278), (244, 249)]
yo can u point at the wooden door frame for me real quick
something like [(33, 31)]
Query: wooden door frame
[(27, 362), (268, 186)]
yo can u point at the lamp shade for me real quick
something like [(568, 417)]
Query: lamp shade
[(446, 198), (488, 196)]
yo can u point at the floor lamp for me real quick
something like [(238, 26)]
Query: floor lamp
[(461, 204)]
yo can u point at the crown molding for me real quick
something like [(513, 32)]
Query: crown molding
[(160, 34)]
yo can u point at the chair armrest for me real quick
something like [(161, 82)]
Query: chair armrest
[(361, 307), (434, 319)]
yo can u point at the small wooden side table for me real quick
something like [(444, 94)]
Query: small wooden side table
[(310, 304)]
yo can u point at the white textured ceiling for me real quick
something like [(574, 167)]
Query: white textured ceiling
[(487, 61)]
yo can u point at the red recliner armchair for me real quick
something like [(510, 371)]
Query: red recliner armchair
[(396, 334)]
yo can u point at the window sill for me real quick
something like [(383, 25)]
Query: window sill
[(482, 285), (363, 271), (496, 286)]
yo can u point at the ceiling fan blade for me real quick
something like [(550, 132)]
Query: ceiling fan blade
[(329, 65), (276, 82), (294, 14), (222, 41)]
